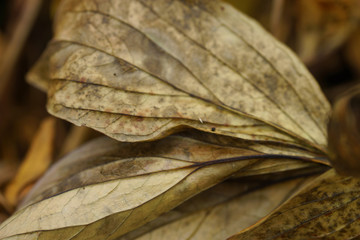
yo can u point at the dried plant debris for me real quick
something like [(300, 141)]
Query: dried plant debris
[(195, 96)]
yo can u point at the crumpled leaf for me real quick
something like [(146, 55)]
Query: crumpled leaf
[(127, 185), (222, 220), (326, 209), (140, 70)]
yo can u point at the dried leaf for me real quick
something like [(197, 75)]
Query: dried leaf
[(140, 70), (353, 51), (5, 208), (344, 133), (14, 44), (7, 172), (224, 219), (326, 209), (127, 185), (75, 138), (219, 194), (36, 162), (324, 25)]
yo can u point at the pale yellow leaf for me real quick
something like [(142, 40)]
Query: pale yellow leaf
[(36, 162), (226, 218), (108, 188)]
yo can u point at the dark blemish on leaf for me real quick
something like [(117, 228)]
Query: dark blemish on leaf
[(319, 227), (213, 129), (105, 20), (153, 65), (187, 153), (271, 82), (124, 67), (170, 111), (222, 8)]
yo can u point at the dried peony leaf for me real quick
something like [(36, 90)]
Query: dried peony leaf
[(323, 26), (108, 188), (344, 134), (221, 220), (36, 162), (325, 209), (141, 70)]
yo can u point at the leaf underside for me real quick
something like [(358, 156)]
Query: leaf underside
[(151, 68)]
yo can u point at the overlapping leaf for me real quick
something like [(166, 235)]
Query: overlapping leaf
[(198, 219), (140, 70), (326, 209), (344, 133), (108, 188)]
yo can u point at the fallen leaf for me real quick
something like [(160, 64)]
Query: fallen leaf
[(344, 133), (2, 43), (219, 194), (326, 209), (15, 43), (127, 185), (36, 162), (352, 51), (7, 172), (323, 26), (226, 218), (5, 208), (141, 70), (151, 68), (75, 138)]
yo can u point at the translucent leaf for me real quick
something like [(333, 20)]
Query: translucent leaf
[(108, 188)]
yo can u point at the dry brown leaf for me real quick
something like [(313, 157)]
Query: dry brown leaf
[(5, 208), (15, 43), (323, 25), (344, 133), (2, 43), (143, 69), (225, 218), (140, 70), (326, 209), (75, 138), (36, 162), (7, 172), (108, 188), (353, 51)]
